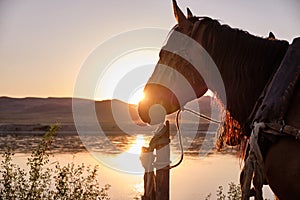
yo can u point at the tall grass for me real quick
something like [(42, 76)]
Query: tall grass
[(43, 182)]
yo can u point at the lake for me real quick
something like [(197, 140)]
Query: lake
[(118, 158)]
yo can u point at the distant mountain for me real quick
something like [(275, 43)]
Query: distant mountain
[(108, 110), (35, 114), (35, 110)]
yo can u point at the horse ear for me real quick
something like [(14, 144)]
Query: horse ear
[(180, 17), (271, 36), (189, 13)]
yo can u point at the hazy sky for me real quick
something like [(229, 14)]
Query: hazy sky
[(44, 43)]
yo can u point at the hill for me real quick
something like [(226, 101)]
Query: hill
[(34, 115)]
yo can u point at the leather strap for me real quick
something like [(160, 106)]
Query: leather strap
[(279, 129)]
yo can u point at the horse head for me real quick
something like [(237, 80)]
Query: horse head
[(166, 91), (185, 72)]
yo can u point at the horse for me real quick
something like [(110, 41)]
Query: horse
[(245, 63)]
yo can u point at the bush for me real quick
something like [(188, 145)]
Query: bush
[(234, 193), (41, 182)]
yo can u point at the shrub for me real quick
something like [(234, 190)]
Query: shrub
[(234, 193), (42, 182)]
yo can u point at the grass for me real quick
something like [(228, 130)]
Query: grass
[(41, 182)]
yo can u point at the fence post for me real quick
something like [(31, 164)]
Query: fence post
[(162, 165), (156, 187), (147, 159)]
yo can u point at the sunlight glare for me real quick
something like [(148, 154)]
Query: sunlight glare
[(137, 96), (136, 147), (129, 161), (140, 187), (127, 67), (209, 93)]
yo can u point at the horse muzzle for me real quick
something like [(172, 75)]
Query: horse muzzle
[(158, 101)]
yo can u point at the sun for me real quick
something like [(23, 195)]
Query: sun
[(137, 96)]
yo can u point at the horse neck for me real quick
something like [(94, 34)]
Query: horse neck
[(246, 63)]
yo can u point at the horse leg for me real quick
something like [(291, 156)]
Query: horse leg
[(282, 168)]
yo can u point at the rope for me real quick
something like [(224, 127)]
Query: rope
[(180, 140), (253, 168), (202, 116), (179, 131)]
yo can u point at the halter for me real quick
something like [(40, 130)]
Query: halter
[(184, 51)]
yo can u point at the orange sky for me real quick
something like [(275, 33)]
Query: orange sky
[(43, 44)]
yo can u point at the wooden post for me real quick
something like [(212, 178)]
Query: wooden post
[(162, 165), (149, 176), (156, 187)]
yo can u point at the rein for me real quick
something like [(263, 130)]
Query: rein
[(201, 115), (179, 131)]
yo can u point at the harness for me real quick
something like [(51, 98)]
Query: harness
[(268, 118)]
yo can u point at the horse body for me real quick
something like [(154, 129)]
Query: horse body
[(282, 163), (292, 116), (246, 64)]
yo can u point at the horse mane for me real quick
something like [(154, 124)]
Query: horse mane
[(246, 63)]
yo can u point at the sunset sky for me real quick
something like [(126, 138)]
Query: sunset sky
[(43, 44)]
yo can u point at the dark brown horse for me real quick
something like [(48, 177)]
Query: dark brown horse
[(245, 63)]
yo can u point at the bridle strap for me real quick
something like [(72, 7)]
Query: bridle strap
[(195, 29)]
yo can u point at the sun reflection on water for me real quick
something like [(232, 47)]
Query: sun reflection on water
[(139, 188), (136, 146), (129, 160)]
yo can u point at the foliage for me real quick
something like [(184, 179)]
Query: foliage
[(234, 193), (40, 182)]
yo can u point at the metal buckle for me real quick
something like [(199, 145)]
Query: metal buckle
[(282, 127), (298, 135)]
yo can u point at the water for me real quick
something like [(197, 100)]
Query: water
[(194, 178)]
